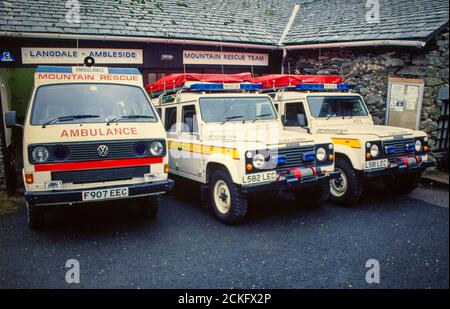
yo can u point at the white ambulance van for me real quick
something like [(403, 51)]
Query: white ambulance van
[(91, 134), (323, 105), (228, 137)]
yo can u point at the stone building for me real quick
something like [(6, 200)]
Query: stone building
[(366, 41), (369, 68)]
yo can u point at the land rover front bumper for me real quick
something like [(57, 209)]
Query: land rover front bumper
[(61, 197), (295, 178), (400, 165)]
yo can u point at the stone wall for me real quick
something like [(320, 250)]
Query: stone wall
[(369, 69)]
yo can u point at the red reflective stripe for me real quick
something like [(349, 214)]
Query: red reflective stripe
[(87, 165), (314, 170)]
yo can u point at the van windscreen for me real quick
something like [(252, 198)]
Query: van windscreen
[(90, 103)]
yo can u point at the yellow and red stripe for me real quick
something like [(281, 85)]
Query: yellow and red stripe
[(349, 142), (88, 165)]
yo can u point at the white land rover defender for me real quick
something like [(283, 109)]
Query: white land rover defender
[(229, 138), (363, 150), (91, 134)]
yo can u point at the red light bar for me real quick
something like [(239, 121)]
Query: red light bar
[(286, 80), (172, 81)]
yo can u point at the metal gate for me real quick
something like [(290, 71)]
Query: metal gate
[(442, 131)]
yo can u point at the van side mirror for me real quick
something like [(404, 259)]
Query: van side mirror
[(11, 120), (301, 120)]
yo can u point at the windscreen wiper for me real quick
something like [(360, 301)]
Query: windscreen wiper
[(115, 119), (68, 118), (258, 117), (331, 115), (231, 118)]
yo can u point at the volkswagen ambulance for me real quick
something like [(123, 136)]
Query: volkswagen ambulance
[(91, 134), (323, 105), (226, 136)]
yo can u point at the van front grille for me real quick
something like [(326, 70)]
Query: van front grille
[(100, 175)]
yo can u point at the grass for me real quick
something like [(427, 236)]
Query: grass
[(7, 205)]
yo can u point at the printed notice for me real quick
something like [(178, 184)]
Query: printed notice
[(412, 97), (397, 97)]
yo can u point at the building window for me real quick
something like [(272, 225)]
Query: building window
[(153, 77)]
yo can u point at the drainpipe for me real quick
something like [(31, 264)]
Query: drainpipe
[(283, 61), (285, 33), (373, 43), (132, 39)]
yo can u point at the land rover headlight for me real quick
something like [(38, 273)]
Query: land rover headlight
[(156, 148), (418, 146), (258, 161), (40, 154), (374, 150), (321, 154)]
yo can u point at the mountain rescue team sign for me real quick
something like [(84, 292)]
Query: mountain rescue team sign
[(68, 133)]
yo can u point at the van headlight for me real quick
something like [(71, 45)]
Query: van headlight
[(40, 154), (156, 148), (418, 146), (374, 150), (258, 161), (321, 154)]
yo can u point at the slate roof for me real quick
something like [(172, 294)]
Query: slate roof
[(324, 21), (243, 21)]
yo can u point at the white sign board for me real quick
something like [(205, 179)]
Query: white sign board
[(404, 102), (224, 58), (43, 55)]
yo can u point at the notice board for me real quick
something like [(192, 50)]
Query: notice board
[(404, 102)]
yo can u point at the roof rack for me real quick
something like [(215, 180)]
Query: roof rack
[(279, 81), (283, 82), (175, 82), (209, 88)]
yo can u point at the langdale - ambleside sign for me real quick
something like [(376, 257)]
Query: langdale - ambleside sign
[(224, 58), (50, 55)]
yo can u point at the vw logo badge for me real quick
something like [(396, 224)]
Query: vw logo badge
[(102, 150)]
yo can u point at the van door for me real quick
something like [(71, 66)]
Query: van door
[(170, 125), (190, 161)]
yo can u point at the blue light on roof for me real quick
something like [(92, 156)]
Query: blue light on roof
[(312, 87), (206, 87), (53, 69), (123, 71), (219, 87), (251, 87)]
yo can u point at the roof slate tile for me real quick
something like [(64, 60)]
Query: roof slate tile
[(250, 21)]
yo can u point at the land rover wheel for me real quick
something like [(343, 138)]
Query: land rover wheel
[(313, 197), (148, 206), (403, 184), (229, 204), (347, 189), (35, 217)]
